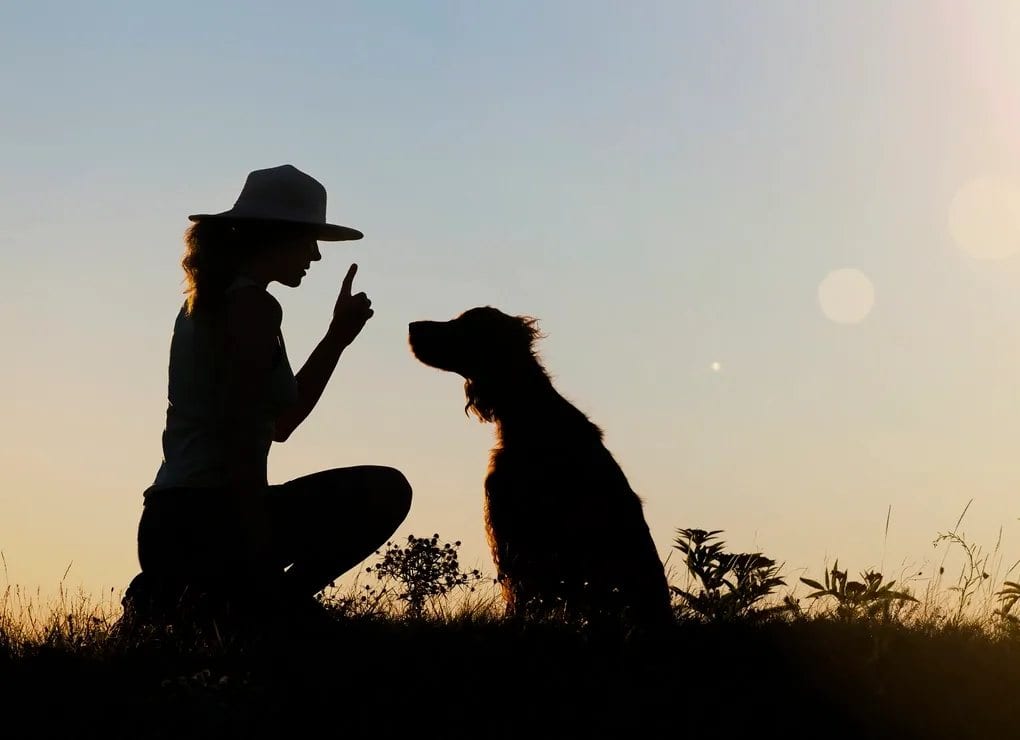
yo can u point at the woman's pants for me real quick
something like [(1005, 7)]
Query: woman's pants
[(321, 525)]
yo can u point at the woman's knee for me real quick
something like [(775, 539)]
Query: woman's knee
[(397, 492)]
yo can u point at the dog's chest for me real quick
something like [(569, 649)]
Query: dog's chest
[(530, 477)]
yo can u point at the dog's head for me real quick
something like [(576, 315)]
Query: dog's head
[(483, 345), (477, 344)]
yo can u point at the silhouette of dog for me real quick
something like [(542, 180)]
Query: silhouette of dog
[(566, 531)]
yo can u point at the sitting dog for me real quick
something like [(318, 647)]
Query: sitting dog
[(566, 531)]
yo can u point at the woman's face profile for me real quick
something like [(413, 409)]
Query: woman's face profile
[(289, 257)]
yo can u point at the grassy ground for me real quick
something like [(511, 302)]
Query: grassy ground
[(854, 657), (71, 672)]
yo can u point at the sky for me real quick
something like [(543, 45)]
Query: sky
[(773, 248)]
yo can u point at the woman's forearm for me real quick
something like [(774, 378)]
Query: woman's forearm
[(349, 316), (312, 379)]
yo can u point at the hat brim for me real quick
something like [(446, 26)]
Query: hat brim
[(323, 232)]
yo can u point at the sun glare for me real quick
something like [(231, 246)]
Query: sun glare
[(846, 296), (984, 218)]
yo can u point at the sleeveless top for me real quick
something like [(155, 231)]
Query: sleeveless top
[(193, 439)]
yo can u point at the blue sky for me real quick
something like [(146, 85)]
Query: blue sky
[(664, 185)]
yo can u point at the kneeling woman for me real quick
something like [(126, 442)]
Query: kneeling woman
[(210, 520)]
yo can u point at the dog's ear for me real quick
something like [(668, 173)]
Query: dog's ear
[(476, 404), (530, 332)]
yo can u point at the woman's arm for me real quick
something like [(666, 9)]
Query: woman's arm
[(349, 317)]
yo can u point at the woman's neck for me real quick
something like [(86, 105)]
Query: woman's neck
[(253, 273)]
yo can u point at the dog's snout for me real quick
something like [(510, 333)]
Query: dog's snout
[(420, 336), (415, 330)]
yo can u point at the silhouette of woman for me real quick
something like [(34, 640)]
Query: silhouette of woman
[(211, 523)]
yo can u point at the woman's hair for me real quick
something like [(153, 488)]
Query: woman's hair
[(214, 251)]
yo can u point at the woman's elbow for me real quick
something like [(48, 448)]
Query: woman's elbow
[(285, 425)]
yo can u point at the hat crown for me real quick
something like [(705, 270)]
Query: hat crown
[(283, 192)]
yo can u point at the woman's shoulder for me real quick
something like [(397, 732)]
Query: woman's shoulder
[(252, 307)]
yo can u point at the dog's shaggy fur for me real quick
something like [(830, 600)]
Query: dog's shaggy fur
[(566, 530)]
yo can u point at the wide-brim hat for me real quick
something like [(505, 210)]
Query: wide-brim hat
[(284, 194)]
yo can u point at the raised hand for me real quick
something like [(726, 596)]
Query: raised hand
[(351, 311)]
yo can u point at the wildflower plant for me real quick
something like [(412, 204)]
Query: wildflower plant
[(730, 585), (867, 597), (1008, 596), (974, 576), (424, 571)]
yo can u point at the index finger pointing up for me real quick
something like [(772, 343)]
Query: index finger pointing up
[(345, 287)]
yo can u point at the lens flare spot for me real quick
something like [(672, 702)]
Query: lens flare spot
[(984, 218), (846, 296)]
